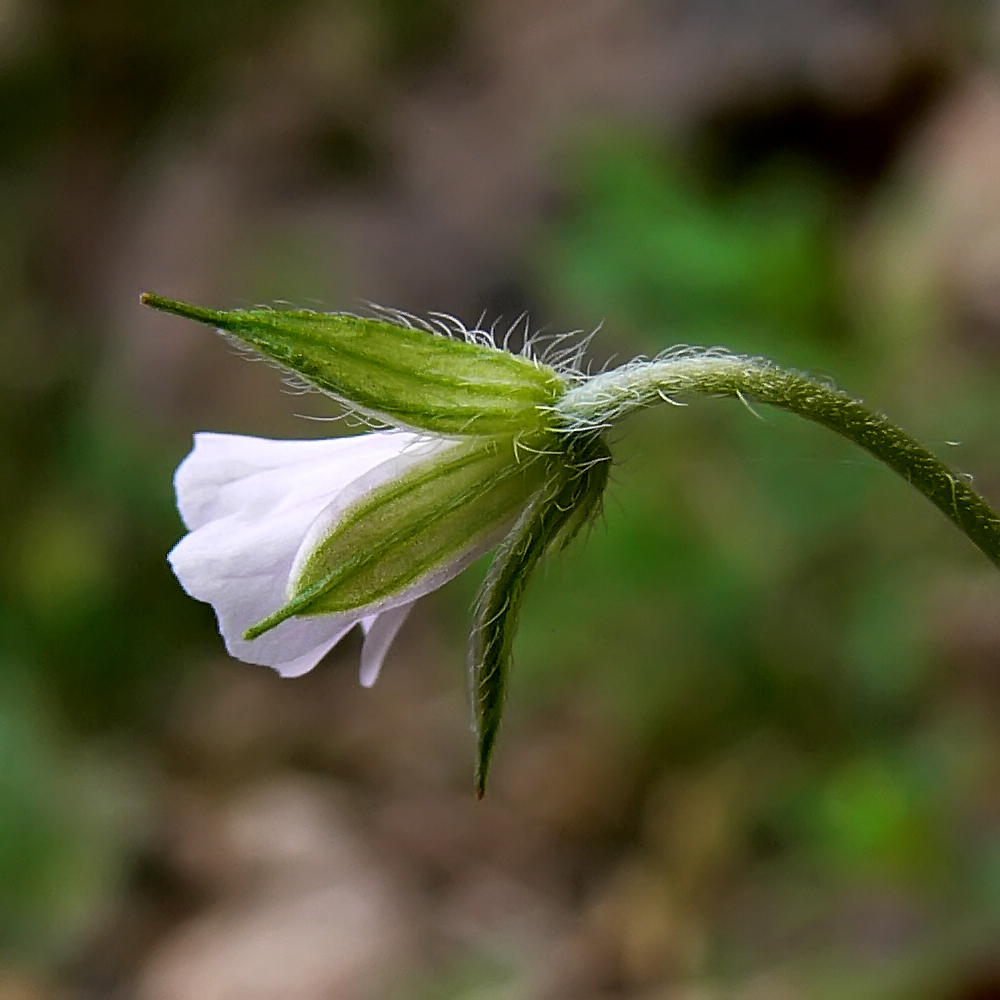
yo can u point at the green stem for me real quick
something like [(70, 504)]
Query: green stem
[(604, 399)]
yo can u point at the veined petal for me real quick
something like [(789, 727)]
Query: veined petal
[(304, 663), (229, 474), (250, 502), (380, 630), (239, 566)]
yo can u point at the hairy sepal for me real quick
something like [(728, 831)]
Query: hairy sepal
[(456, 504), (405, 376), (569, 499)]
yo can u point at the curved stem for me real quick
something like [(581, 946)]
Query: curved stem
[(604, 399)]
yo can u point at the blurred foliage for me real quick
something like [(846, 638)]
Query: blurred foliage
[(93, 628), (650, 244), (755, 583), (65, 820)]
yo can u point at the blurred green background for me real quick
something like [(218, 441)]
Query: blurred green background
[(752, 748)]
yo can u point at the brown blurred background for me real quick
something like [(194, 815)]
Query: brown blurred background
[(752, 749)]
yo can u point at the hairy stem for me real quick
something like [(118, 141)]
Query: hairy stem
[(606, 398)]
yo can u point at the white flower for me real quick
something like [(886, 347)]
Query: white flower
[(296, 542), (258, 509)]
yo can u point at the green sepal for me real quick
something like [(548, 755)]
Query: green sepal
[(402, 375), (452, 502), (570, 498)]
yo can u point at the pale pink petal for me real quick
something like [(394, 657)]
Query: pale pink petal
[(239, 555), (232, 474), (258, 508), (240, 568), (303, 664), (380, 630)]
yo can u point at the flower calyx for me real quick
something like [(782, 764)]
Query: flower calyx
[(397, 372), (295, 543)]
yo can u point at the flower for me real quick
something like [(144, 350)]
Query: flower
[(262, 513), (294, 543)]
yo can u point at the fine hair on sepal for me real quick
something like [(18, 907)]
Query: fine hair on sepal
[(557, 513)]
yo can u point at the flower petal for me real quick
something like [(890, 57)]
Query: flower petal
[(304, 663), (229, 474), (380, 630), (250, 502)]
